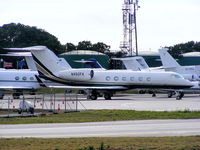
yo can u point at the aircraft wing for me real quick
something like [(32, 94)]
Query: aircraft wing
[(90, 87)]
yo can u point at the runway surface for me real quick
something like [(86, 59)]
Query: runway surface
[(143, 128)]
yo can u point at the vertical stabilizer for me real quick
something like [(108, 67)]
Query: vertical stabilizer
[(167, 60), (46, 60), (134, 63)]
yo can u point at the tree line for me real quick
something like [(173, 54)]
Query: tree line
[(181, 48), (19, 35)]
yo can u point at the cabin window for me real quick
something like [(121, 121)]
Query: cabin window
[(16, 78), (140, 78), (123, 78), (108, 78), (132, 78), (116, 78), (31, 78), (148, 78), (24, 78)]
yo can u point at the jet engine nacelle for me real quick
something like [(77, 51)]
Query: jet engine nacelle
[(77, 74), (191, 77)]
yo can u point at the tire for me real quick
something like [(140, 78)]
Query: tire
[(16, 95), (93, 97), (107, 96), (169, 94), (19, 111)]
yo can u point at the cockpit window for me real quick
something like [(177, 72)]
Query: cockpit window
[(176, 76)]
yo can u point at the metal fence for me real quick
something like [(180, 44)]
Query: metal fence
[(41, 102)]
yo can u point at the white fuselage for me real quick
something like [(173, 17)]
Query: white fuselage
[(188, 72), (18, 79), (123, 77)]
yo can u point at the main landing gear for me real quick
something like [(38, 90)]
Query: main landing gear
[(93, 95), (179, 95)]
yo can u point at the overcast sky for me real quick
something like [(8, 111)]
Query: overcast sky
[(160, 22)]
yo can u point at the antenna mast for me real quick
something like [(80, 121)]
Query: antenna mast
[(129, 9)]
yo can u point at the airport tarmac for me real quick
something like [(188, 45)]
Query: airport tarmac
[(179, 127), (145, 102), (120, 101)]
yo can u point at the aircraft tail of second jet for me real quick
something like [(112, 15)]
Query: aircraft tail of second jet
[(167, 60)]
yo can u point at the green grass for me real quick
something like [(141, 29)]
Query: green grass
[(102, 115), (123, 143)]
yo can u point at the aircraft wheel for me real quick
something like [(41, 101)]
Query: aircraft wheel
[(154, 95), (1, 96), (93, 97), (16, 95), (169, 94), (107, 96), (19, 111), (180, 96)]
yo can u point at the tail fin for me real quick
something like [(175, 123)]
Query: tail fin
[(46, 60), (167, 60), (134, 63)]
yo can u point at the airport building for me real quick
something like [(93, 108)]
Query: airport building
[(152, 58), (73, 56)]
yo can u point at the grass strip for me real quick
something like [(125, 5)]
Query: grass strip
[(102, 115), (123, 143)]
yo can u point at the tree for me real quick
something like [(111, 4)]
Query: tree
[(19, 35), (84, 45), (101, 47), (181, 48), (70, 47)]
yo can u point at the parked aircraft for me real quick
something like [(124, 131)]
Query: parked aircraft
[(170, 64), (139, 64), (108, 81), (18, 80)]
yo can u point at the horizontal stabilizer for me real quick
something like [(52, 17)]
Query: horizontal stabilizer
[(23, 54), (33, 48)]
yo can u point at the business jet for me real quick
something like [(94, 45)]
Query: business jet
[(139, 64), (58, 70), (18, 80), (170, 64)]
